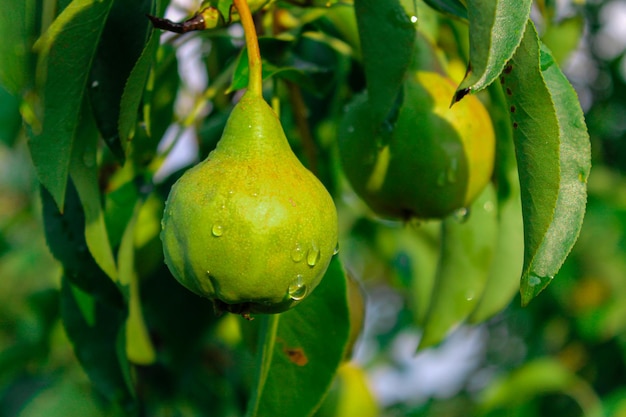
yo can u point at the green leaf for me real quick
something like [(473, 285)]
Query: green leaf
[(553, 156), (387, 39), (84, 174), (66, 51), (535, 378), (281, 61), (10, 119), (504, 276), (65, 236), (467, 250), (308, 349), (413, 252), (451, 7), (496, 29), (133, 92), (123, 39), (17, 29), (139, 348), (563, 37), (94, 337)]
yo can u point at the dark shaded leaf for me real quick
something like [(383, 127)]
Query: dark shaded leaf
[(387, 39), (123, 39), (95, 329), (451, 7), (66, 52), (10, 118)]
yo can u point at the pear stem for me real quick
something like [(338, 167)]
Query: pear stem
[(255, 80)]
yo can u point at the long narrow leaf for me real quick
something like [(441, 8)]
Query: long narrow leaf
[(553, 155)]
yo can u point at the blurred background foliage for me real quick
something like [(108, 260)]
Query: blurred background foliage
[(563, 355)]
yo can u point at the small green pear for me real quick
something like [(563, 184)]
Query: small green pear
[(250, 227)]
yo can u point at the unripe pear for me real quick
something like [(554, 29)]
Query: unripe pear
[(250, 227), (431, 160)]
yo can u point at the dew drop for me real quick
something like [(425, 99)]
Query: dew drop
[(461, 215), (336, 251), (297, 289), (413, 19), (313, 255), (350, 129), (217, 230), (297, 254), (489, 206), (469, 295), (95, 84), (534, 280)]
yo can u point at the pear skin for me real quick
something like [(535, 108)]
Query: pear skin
[(250, 227)]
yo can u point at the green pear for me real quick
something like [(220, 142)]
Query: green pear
[(250, 227), (431, 160)]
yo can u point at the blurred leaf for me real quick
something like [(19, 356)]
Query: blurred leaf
[(17, 32), (553, 156), (308, 349), (496, 29), (451, 7), (504, 276), (84, 174), (139, 348), (562, 38), (387, 38), (10, 119), (123, 39), (65, 52), (350, 395), (533, 379), (467, 250), (413, 252), (96, 339), (65, 398)]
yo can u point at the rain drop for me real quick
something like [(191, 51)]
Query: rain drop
[(533, 280), (489, 206), (336, 251), (297, 289), (217, 230), (461, 215), (413, 19), (313, 255), (297, 254), (469, 295), (95, 84)]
